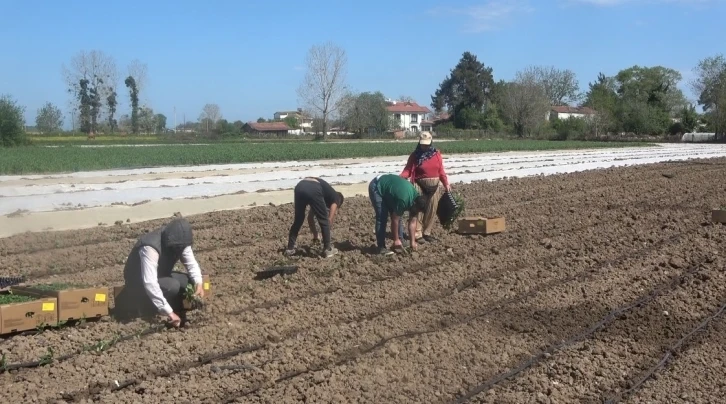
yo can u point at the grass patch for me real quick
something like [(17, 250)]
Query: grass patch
[(44, 160)]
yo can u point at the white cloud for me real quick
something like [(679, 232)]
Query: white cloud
[(489, 16)]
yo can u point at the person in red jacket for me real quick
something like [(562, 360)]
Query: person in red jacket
[(425, 169)]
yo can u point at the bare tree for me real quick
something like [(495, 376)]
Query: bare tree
[(140, 72), (211, 114), (324, 84), (96, 67), (525, 103), (560, 86), (405, 98)]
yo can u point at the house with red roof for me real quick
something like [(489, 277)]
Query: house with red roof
[(267, 128), (408, 115)]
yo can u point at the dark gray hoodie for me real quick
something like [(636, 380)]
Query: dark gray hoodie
[(169, 241)]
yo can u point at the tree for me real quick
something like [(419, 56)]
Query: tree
[(160, 123), (710, 85), (134, 95), (140, 72), (261, 120), (648, 98), (97, 71), (324, 84), (12, 123), (689, 118), (602, 97), (147, 119), (366, 112), (49, 119), (469, 86), (84, 102), (525, 103), (292, 122), (560, 86), (111, 102), (405, 98), (210, 115)]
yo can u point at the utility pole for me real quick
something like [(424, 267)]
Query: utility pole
[(175, 119)]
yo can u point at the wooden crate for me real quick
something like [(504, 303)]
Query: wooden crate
[(73, 304), (16, 317), (481, 225), (718, 215)]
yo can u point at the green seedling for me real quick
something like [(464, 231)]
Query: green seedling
[(10, 299), (189, 295), (55, 287), (103, 345), (4, 363), (47, 358)]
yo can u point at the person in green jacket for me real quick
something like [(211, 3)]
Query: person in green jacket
[(392, 195)]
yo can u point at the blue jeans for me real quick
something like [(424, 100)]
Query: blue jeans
[(382, 214)]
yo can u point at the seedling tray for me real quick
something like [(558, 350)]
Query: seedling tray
[(276, 270), (22, 313), (74, 302), (6, 282)]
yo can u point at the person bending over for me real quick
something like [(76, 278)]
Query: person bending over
[(392, 195), (324, 203)]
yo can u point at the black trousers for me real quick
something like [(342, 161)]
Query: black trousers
[(309, 193), (134, 299)]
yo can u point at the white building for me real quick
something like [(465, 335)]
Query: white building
[(304, 122), (407, 115), (566, 112)]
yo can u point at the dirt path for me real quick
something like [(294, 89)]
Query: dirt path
[(597, 256)]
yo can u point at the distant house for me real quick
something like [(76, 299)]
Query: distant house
[(306, 123), (266, 128), (429, 123), (408, 115), (567, 112)]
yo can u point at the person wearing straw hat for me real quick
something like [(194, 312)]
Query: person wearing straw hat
[(425, 170)]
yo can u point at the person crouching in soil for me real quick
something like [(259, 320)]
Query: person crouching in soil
[(425, 169), (324, 203), (393, 195), (152, 284)]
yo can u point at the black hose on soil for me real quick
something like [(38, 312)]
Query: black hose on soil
[(672, 350), (101, 346), (652, 295)]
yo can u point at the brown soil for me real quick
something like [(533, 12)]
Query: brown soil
[(598, 275)]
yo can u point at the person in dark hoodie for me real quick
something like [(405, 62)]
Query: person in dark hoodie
[(324, 203), (148, 272)]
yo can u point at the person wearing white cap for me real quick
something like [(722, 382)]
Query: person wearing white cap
[(425, 169)]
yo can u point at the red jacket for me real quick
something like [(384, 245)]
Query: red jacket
[(431, 168)]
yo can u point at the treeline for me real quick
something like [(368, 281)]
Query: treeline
[(637, 100)]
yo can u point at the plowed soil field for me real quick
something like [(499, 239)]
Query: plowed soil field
[(606, 285)]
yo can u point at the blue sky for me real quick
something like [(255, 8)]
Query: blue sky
[(247, 56)]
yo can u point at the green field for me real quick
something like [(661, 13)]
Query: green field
[(42, 160)]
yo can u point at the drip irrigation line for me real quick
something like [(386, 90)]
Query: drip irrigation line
[(670, 353), (49, 360), (614, 314), (493, 307)]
